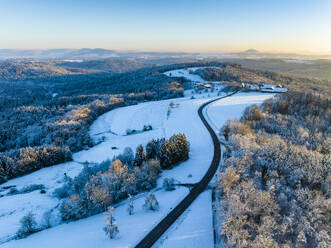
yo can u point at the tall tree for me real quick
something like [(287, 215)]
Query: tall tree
[(111, 228), (140, 156)]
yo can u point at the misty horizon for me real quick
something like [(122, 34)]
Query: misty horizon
[(185, 26), (249, 50)]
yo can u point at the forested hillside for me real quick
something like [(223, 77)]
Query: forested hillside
[(238, 74), (275, 185), (54, 113)]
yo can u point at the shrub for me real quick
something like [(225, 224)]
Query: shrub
[(47, 216), (169, 184), (151, 203), (28, 226)]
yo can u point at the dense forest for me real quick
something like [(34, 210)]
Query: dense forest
[(275, 184)]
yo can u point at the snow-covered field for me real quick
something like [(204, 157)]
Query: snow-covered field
[(194, 228), (299, 61), (88, 232), (186, 73), (110, 130), (232, 107)]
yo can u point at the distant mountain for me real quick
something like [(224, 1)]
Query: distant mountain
[(84, 53), (251, 51)]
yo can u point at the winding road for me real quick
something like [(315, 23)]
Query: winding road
[(199, 187)]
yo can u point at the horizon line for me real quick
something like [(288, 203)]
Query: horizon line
[(308, 53)]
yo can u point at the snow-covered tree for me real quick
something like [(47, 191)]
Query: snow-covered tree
[(127, 157), (275, 183), (131, 206), (169, 184), (151, 202), (111, 229)]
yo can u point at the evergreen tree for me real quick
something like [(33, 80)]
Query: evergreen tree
[(111, 228), (151, 150), (180, 147), (166, 155), (140, 156)]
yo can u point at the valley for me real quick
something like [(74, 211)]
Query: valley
[(108, 131)]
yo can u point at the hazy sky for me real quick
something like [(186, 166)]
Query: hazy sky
[(169, 25)]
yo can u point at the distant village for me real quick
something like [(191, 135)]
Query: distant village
[(264, 87), (247, 86)]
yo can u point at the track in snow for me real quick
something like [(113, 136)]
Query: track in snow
[(167, 221)]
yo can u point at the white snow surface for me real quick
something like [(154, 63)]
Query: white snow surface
[(109, 129), (232, 107), (186, 73), (88, 232), (194, 228)]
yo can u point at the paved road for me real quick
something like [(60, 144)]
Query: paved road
[(167, 221)]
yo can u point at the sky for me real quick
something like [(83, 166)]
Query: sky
[(302, 26)]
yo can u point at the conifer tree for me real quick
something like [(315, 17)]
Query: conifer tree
[(166, 155), (111, 228), (151, 150), (140, 156)]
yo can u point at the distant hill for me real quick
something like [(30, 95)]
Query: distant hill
[(84, 53), (21, 69), (251, 51)]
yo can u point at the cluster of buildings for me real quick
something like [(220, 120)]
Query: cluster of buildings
[(264, 87)]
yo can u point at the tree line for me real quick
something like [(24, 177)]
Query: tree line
[(98, 187)]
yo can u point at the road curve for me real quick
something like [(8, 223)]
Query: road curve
[(168, 220)]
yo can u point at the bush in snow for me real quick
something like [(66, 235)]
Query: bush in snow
[(130, 131), (130, 207), (28, 226), (169, 184), (47, 216), (151, 203), (74, 208), (111, 229), (147, 128)]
